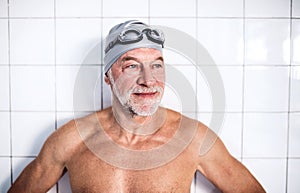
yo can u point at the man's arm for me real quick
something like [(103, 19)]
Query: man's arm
[(228, 174), (44, 171)]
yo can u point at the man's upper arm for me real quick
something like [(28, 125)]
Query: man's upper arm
[(228, 174), (43, 172)]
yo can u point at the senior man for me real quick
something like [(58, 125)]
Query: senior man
[(135, 145)]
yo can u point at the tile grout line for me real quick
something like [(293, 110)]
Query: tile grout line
[(55, 77), (102, 56), (196, 90), (289, 99), (243, 85), (10, 96)]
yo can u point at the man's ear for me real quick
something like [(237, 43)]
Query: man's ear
[(106, 79)]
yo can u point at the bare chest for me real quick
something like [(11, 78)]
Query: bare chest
[(88, 173)]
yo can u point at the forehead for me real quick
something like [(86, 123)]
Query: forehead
[(143, 54)]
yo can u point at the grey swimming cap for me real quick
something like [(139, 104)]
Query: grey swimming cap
[(118, 49)]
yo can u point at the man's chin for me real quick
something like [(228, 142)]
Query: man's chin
[(144, 111)]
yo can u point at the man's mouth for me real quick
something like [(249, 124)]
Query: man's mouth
[(146, 94)]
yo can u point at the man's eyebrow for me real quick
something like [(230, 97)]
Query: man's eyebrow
[(128, 58)]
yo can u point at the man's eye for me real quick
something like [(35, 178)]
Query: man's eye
[(157, 66), (132, 66)]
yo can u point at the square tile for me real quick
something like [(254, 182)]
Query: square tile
[(233, 83), (64, 117), (295, 60), (4, 41), (295, 88), (5, 134), (296, 8), (294, 135), (31, 8), (219, 8), (271, 173), (265, 135), (232, 80), (231, 133), (293, 185), (78, 88), (267, 41), (33, 88), (186, 25), (4, 86), (180, 88), (204, 95), (64, 184), (32, 41), (5, 174), (3, 8), (203, 185), (78, 41), (78, 8), (266, 89), (29, 131), (223, 40), (134, 8), (267, 8), (165, 9)]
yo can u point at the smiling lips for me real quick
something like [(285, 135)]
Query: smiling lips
[(146, 94)]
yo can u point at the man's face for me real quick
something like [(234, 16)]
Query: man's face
[(137, 80)]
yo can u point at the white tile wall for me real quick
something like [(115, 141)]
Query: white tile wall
[(266, 88), (29, 131), (78, 8), (293, 176), (35, 45), (267, 8), (178, 8), (5, 134), (31, 8), (4, 85), (78, 88), (5, 174), (219, 8), (265, 135), (267, 41), (223, 38), (270, 172), (33, 88), (294, 135), (254, 43), (175, 96), (232, 129), (296, 8), (295, 89), (78, 41), (295, 42), (4, 41), (3, 8), (116, 8)]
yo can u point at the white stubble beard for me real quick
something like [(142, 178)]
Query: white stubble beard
[(130, 104)]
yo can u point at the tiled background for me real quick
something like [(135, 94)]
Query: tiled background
[(45, 43)]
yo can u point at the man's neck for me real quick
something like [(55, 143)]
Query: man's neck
[(138, 125)]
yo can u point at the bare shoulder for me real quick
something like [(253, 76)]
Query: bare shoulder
[(67, 140)]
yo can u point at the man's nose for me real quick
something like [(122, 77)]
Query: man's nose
[(146, 78)]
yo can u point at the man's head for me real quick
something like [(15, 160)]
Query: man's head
[(134, 66)]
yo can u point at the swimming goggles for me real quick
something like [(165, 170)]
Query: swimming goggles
[(130, 36)]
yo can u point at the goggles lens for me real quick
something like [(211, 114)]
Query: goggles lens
[(130, 36)]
